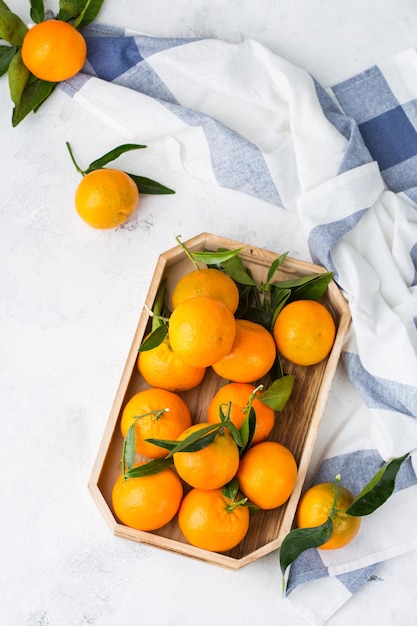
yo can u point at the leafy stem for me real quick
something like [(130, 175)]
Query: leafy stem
[(77, 167)]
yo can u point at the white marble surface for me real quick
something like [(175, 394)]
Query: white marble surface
[(70, 300)]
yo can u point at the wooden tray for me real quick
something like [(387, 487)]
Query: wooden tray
[(296, 426)]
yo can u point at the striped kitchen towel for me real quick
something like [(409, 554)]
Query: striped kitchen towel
[(343, 161)]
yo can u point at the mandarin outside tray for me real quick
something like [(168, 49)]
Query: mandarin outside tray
[(296, 426)]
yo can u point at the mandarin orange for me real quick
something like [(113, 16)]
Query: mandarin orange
[(314, 508), (211, 467), (211, 521), (148, 502), (201, 330), (267, 474), (239, 395), (304, 332), (251, 356), (156, 414), (207, 282), (54, 50)]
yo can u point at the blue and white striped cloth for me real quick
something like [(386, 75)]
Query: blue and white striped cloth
[(344, 161)]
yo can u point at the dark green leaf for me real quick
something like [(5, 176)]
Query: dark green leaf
[(154, 339), (149, 186), (236, 270), (219, 256), (6, 55), (35, 93), (69, 9), (112, 155), (159, 306), (12, 28), (129, 448), (278, 394), (199, 444), (231, 489), (259, 316), (301, 539), (18, 78), (147, 469), (4, 6), (168, 444), (199, 439), (247, 429), (92, 8), (279, 298), (275, 265), (252, 507), (313, 289), (37, 11), (378, 490), (235, 432), (309, 287)]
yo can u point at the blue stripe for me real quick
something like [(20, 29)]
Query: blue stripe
[(356, 152), (390, 137), (323, 237), (236, 162), (355, 579), (365, 96), (379, 393), (110, 57)]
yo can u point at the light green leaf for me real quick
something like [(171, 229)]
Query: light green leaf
[(18, 78), (278, 394), (12, 28)]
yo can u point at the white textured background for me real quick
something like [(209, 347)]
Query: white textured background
[(70, 298)]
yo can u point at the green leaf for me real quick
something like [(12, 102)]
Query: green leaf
[(278, 394), (275, 265), (309, 287), (312, 289), (236, 270), (231, 490), (12, 28), (4, 6), (219, 256), (259, 316), (69, 9), (37, 11), (301, 539), (168, 444), (149, 186), (18, 78), (198, 440), (6, 55), (129, 448), (89, 14), (378, 490), (147, 469), (199, 444), (35, 93), (112, 155), (154, 339), (247, 429), (279, 298)]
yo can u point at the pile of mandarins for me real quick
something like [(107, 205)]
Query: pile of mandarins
[(202, 472)]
